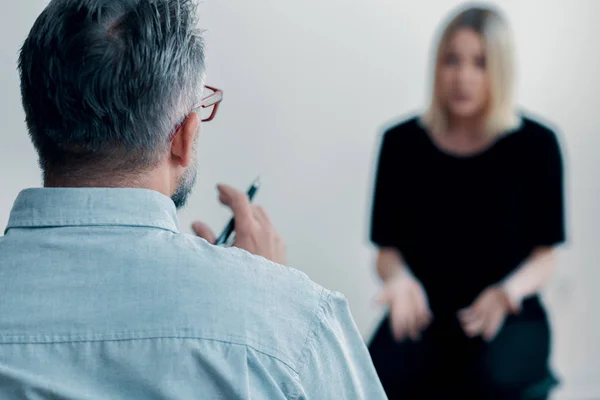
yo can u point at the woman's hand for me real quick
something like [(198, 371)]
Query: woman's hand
[(409, 308), (486, 315)]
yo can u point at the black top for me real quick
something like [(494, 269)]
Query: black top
[(464, 223)]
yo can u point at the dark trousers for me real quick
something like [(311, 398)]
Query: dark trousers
[(446, 364)]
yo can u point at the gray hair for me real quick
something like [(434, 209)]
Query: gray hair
[(105, 82)]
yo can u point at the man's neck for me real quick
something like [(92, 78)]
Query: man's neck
[(77, 181), (116, 181)]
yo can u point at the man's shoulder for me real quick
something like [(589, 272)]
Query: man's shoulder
[(259, 272), (253, 301)]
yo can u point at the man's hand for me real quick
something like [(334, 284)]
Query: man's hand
[(254, 232), (409, 308), (486, 315)]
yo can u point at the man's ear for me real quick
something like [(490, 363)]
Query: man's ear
[(182, 145)]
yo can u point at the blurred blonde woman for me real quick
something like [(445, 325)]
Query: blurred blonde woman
[(467, 214)]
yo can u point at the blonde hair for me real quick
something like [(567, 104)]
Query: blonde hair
[(501, 116)]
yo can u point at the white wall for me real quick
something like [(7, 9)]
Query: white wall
[(308, 86)]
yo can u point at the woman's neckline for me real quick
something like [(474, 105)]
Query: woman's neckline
[(489, 147)]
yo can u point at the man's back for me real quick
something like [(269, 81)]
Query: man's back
[(102, 297)]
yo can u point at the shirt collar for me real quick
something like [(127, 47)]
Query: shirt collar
[(56, 207)]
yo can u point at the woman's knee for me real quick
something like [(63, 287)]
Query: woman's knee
[(517, 360)]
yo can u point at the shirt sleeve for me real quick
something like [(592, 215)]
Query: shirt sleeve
[(385, 208), (546, 213), (336, 363)]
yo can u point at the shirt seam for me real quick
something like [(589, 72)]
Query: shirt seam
[(4, 342), (312, 334), (86, 223)]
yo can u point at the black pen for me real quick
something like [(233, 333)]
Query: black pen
[(228, 231)]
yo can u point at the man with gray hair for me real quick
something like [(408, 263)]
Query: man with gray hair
[(102, 296)]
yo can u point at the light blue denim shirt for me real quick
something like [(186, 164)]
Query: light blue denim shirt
[(101, 297)]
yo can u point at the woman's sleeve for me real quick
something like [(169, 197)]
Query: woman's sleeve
[(384, 215), (547, 205)]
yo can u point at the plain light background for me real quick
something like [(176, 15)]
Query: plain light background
[(310, 85)]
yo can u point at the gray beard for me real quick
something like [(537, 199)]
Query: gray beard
[(186, 184)]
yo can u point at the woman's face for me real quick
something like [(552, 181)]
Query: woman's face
[(463, 77)]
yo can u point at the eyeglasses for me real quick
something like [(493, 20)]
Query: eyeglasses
[(207, 109), (210, 103)]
